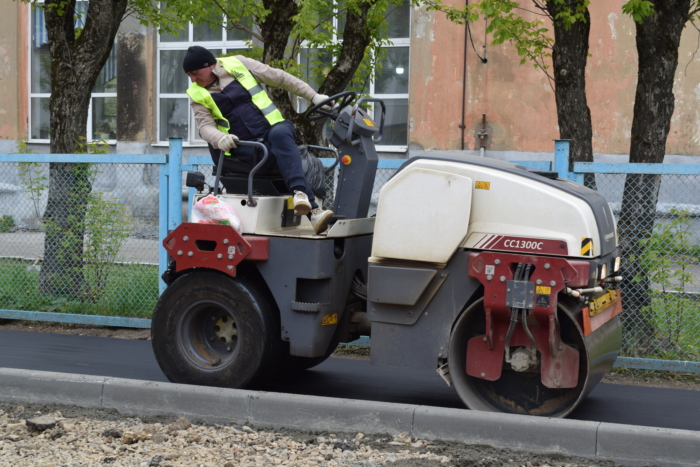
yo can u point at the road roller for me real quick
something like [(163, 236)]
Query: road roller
[(500, 278)]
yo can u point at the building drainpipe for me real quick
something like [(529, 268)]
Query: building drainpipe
[(483, 135), (462, 126)]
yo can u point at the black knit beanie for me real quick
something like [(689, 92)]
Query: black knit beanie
[(197, 57)]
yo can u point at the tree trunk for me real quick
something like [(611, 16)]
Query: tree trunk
[(75, 64), (276, 30), (658, 37), (569, 57)]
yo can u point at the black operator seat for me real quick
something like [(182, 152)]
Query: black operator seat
[(268, 181)]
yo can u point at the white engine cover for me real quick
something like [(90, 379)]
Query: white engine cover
[(433, 207), (422, 215)]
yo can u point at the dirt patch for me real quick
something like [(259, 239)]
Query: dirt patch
[(655, 379), (75, 329), (661, 379)]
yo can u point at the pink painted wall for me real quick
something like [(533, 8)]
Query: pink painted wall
[(11, 84), (517, 99)]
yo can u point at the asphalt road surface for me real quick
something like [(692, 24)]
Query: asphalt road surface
[(338, 377)]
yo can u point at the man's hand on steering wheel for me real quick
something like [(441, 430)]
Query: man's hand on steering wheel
[(319, 98), (319, 109)]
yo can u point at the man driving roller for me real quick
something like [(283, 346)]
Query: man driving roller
[(229, 104)]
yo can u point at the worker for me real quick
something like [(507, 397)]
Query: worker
[(229, 103)]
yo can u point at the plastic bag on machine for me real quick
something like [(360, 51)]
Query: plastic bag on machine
[(314, 171), (214, 210)]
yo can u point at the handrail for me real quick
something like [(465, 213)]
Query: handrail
[(334, 151), (259, 165)]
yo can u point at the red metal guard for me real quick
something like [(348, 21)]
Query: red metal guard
[(485, 354), (213, 246)]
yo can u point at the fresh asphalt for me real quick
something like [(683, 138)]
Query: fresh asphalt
[(338, 377)]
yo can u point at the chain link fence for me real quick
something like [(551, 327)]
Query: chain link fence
[(79, 238), (83, 239), (658, 220)]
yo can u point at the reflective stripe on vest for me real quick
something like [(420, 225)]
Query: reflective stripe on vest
[(260, 99)]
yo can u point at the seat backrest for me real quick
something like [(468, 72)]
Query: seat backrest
[(262, 185)]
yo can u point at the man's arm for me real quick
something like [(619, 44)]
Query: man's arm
[(206, 126), (277, 78)]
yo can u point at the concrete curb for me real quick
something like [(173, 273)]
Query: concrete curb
[(629, 445)]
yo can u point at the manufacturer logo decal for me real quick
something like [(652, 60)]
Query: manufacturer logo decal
[(483, 185), (530, 245)]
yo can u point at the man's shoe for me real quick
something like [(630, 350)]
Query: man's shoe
[(319, 220), (301, 204)]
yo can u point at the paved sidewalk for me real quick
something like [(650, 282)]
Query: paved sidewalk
[(30, 245)]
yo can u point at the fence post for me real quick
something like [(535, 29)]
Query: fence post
[(162, 224), (169, 203), (561, 158), (174, 183)]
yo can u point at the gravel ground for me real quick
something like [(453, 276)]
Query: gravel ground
[(70, 436)]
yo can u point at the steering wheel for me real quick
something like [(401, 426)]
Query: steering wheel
[(343, 99)]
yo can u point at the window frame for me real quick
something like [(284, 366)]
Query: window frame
[(394, 42), (47, 95), (224, 45)]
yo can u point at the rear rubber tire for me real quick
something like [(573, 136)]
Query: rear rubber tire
[(213, 330), (513, 392)]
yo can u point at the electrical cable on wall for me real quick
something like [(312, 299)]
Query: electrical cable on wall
[(483, 59)]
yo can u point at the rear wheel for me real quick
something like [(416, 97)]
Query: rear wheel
[(213, 330), (513, 392)]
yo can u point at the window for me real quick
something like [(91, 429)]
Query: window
[(102, 114), (175, 118), (390, 84)]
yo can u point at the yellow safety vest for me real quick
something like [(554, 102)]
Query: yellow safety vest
[(235, 68)]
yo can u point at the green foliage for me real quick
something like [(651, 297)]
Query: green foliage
[(32, 178), (638, 9), (7, 223), (315, 27), (666, 259), (107, 226)]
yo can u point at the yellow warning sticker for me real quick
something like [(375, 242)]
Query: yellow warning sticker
[(586, 246), (368, 122), (290, 202), (330, 319), (543, 290), (483, 185)]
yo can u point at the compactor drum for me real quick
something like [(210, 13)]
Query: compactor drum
[(500, 278)]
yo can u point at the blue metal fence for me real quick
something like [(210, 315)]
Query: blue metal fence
[(169, 213)]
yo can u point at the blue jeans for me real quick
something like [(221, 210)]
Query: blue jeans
[(280, 140)]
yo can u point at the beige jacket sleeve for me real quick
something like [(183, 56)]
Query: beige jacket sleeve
[(277, 78), (264, 74), (205, 124)]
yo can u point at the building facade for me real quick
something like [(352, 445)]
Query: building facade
[(438, 86)]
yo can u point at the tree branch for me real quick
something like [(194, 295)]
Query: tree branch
[(237, 24)]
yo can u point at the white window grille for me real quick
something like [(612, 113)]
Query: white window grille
[(102, 114), (174, 116), (391, 84)]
